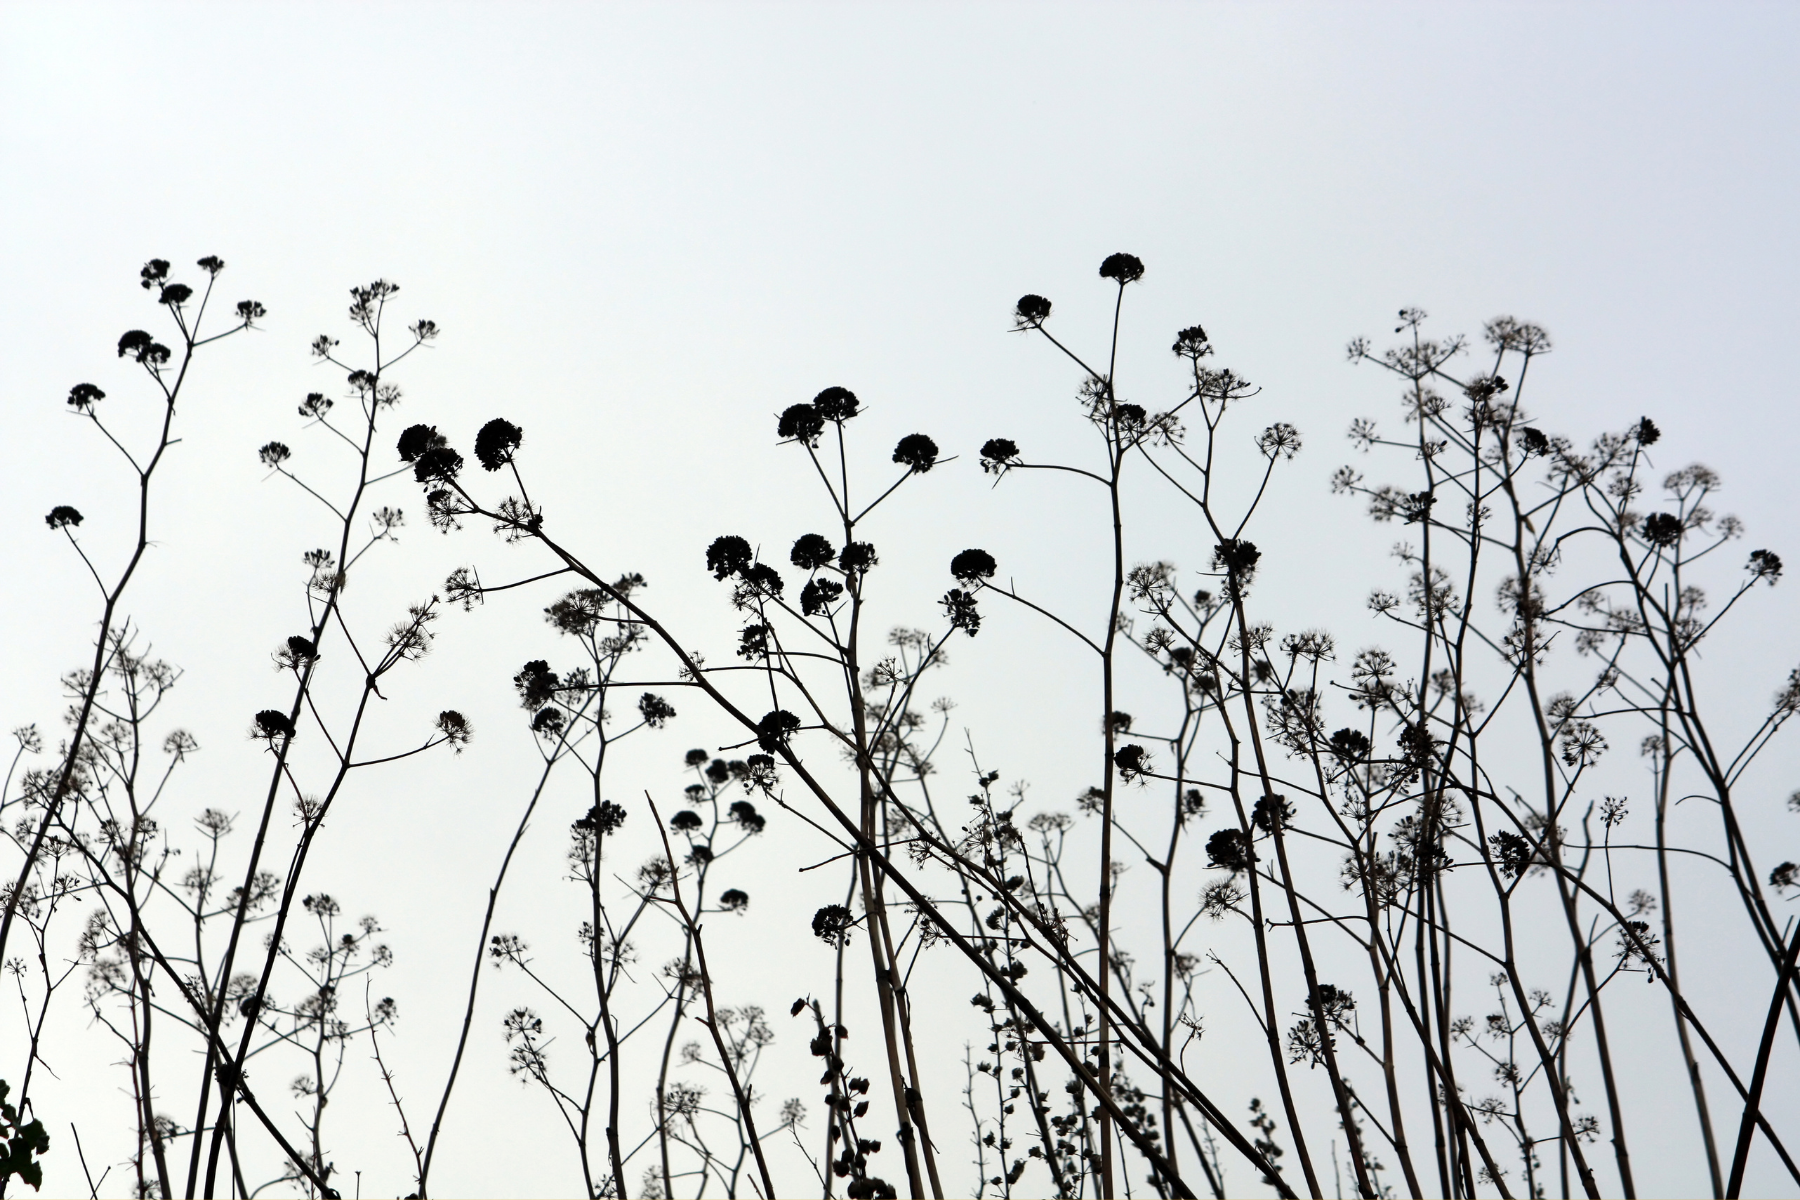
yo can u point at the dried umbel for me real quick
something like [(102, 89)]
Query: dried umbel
[(997, 454), (811, 551), (1031, 311), (1122, 268), (917, 452), (496, 444), (83, 397), (973, 566)]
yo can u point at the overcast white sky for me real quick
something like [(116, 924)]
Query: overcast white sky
[(645, 229)]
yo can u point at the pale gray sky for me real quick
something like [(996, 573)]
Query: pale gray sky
[(645, 229)]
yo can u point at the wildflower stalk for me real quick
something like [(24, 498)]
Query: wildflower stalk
[(726, 1058), (1747, 1127), (145, 352), (481, 948)]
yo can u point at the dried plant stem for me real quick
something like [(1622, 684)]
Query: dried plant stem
[(1740, 1156), (712, 1017)]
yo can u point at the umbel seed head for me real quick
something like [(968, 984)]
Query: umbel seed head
[(1122, 268)]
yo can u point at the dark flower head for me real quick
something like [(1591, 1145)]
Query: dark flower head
[(1765, 564), (1513, 851), (1122, 268), (548, 721), (536, 684), (1485, 388), (759, 772), (1647, 432), (456, 728), (175, 293), (718, 772), (1030, 311), (734, 900), (62, 516), (83, 395), (495, 444), (753, 641), (1192, 343), (655, 710), (1350, 745), (819, 595), (1238, 559), (605, 817), (212, 264), (745, 814), (1416, 508), (250, 310), (773, 731), (1132, 761), (273, 454), (812, 551), (154, 272), (916, 451), (700, 855), (442, 510), (1504, 333), (857, 556), (316, 405), (800, 423), (727, 556), (695, 758), (439, 464), (836, 404), (763, 578), (1271, 811), (959, 607), (142, 348), (997, 454), (685, 821), (832, 924), (1662, 529), (1230, 850), (1280, 440), (1131, 416), (302, 647), (271, 724), (1534, 441), (971, 566), (415, 441)]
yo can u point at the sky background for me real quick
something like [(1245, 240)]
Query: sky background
[(644, 230)]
